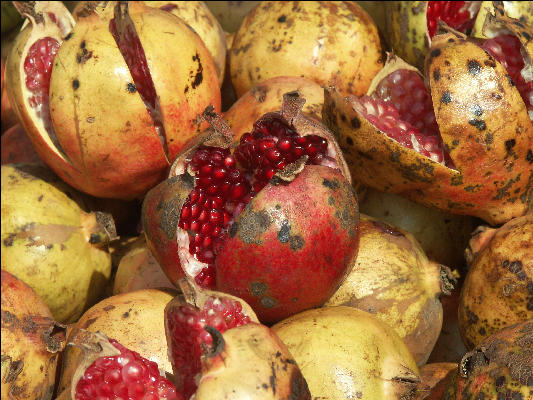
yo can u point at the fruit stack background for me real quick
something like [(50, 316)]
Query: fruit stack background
[(267, 200)]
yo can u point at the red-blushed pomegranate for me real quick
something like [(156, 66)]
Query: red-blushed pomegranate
[(411, 26), (187, 337), (16, 147), (62, 84), (462, 162), (270, 197), (108, 370)]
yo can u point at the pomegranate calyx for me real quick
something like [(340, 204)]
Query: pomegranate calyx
[(290, 172), (447, 280), (292, 106)]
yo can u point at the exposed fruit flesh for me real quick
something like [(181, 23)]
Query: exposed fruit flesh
[(506, 49), (38, 69), (401, 107), (124, 376), (454, 13), (125, 35), (225, 183), (189, 338)]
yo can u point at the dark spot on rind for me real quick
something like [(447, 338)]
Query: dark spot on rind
[(268, 302), (356, 124), (474, 67), (478, 123), (446, 98), (69, 36), (258, 288), (435, 53), (436, 75), (349, 140), (284, 232), (296, 242), (529, 156), (509, 144), (476, 110), (126, 314), (94, 238), (198, 78), (333, 185), (252, 225), (75, 84), (283, 18), (131, 87)]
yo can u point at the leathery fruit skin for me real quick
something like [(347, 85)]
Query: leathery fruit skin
[(291, 232), (250, 362), (498, 288)]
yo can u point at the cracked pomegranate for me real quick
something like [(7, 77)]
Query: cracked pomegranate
[(250, 212), (454, 13), (188, 338)]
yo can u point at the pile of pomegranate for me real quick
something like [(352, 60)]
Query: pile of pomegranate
[(267, 200)]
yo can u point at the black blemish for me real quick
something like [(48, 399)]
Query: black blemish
[(258, 288), (131, 87), (343, 118), (446, 98), (296, 242), (199, 77), (447, 63), (9, 240), (489, 138), (476, 110), (489, 63), (333, 185), (509, 144), (95, 238), (349, 140), (268, 302), (283, 18), (435, 53), (75, 84), (82, 44), (474, 67), (68, 37), (126, 314), (529, 156), (478, 123), (451, 40), (526, 36), (356, 124), (284, 232), (40, 198), (436, 75), (511, 82)]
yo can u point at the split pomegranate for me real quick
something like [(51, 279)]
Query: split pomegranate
[(225, 183), (258, 210), (188, 338), (454, 13), (124, 376)]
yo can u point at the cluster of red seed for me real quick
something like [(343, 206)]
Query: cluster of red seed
[(225, 183), (124, 376), (454, 13)]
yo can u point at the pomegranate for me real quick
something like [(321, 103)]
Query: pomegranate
[(498, 288), (186, 319), (250, 362), (137, 269), (520, 10), (466, 161), (31, 341), (62, 83), (16, 147), (134, 319), (244, 222), (346, 353), (108, 370), (267, 97), (411, 26), (393, 279), (443, 236), (499, 367), (47, 237), (331, 43)]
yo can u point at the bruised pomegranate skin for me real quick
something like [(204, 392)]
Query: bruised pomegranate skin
[(127, 375), (188, 339)]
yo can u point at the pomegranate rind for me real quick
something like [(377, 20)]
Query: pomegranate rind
[(252, 362), (333, 43), (122, 157), (343, 351), (519, 10), (388, 255), (278, 255), (267, 97), (31, 340), (499, 366), (16, 147), (485, 126), (497, 288)]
